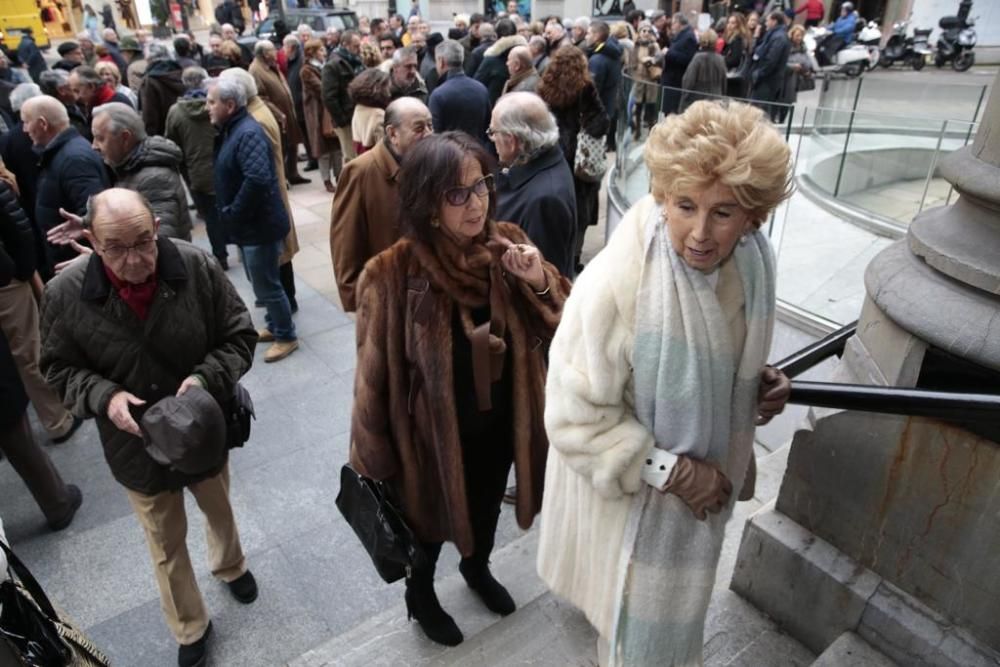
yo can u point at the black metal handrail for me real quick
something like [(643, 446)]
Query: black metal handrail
[(950, 406), (811, 355)]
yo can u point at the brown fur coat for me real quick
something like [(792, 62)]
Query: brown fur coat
[(404, 427)]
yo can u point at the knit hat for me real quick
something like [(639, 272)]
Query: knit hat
[(186, 432), (67, 47), (129, 43)]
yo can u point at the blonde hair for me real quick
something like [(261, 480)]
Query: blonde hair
[(796, 30), (731, 144), (110, 68), (707, 39)]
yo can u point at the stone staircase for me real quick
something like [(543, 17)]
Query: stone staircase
[(547, 631)]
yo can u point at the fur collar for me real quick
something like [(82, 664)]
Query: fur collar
[(505, 44)]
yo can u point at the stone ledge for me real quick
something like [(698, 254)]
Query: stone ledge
[(849, 650)]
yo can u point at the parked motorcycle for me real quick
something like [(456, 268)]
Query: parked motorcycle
[(832, 57), (912, 51), (958, 36)]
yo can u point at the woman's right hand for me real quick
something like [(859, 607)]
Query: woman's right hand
[(701, 486)]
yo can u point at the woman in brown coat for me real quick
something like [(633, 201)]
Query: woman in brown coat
[(568, 89), (323, 142), (453, 324)]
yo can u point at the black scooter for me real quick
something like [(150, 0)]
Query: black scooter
[(912, 51), (957, 39)]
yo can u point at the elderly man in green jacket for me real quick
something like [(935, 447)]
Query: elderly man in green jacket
[(142, 319)]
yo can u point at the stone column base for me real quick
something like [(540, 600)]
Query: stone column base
[(815, 592)]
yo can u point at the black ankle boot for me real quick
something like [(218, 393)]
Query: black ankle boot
[(422, 604), (480, 579)]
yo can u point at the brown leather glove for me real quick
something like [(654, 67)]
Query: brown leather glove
[(750, 481), (701, 486)]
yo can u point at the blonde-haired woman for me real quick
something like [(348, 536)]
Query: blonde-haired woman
[(656, 380), (113, 77)]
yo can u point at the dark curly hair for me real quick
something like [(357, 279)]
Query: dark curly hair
[(564, 78), (432, 166), (371, 88)]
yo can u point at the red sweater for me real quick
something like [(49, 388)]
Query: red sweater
[(814, 9)]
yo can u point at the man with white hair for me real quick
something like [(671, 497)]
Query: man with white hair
[(70, 170), (148, 164), (250, 205), (578, 34), (404, 75), (304, 32), (523, 74), (535, 185), (273, 89), (555, 37), (459, 102), (110, 39), (88, 47)]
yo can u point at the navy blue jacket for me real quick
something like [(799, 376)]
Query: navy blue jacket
[(31, 57), (682, 51), (70, 172), (246, 187), (461, 103), (606, 69), (540, 198), (770, 58)]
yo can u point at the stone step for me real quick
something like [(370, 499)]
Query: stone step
[(548, 631), (850, 650)]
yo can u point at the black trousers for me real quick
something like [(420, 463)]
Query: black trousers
[(287, 276), (487, 460)]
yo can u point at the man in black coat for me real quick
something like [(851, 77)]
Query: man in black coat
[(493, 72), (458, 102), (605, 65), (683, 48), (535, 185), (340, 69), (487, 37), (767, 72), (30, 56), (71, 171)]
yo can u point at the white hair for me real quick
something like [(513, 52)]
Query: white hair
[(528, 119), (451, 52), (304, 27), (582, 22), (229, 89), (22, 93), (244, 79), (122, 117), (290, 39)]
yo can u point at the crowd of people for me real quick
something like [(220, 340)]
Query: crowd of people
[(458, 212)]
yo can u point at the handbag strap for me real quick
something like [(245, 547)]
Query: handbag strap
[(29, 582)]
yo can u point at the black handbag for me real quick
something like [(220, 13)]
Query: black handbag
[(368, 507), (238, 415), (31, 627)]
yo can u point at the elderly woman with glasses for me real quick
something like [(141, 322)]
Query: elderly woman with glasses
[(453, 326)]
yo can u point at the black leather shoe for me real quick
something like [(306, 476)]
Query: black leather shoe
[(77, 423), (312, 165), (493, 594), (422, 604), (298, 180), (76, 499), (194, 655), (244, 589)]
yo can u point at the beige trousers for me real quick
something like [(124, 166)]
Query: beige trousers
[(346, 138), (19, 323), (163, 519)]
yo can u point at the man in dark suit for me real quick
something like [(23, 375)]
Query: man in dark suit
[(683, 47), (458, 102), (535, 185), (767, 73)]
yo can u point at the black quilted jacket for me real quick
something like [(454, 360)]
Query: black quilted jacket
[(94, 345), (17, 239)]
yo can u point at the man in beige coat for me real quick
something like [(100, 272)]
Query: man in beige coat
[(274, 91), (366, 207)]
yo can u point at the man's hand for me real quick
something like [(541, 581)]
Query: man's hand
[(82, 249), (701, 486), (189, 381), (67, 232), (775, 388), (119, 414)]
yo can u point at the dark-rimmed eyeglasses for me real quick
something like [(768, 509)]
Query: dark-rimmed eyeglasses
[(460, 196), (116, 252)]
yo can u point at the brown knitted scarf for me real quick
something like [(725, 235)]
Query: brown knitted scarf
[(473, 277)]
